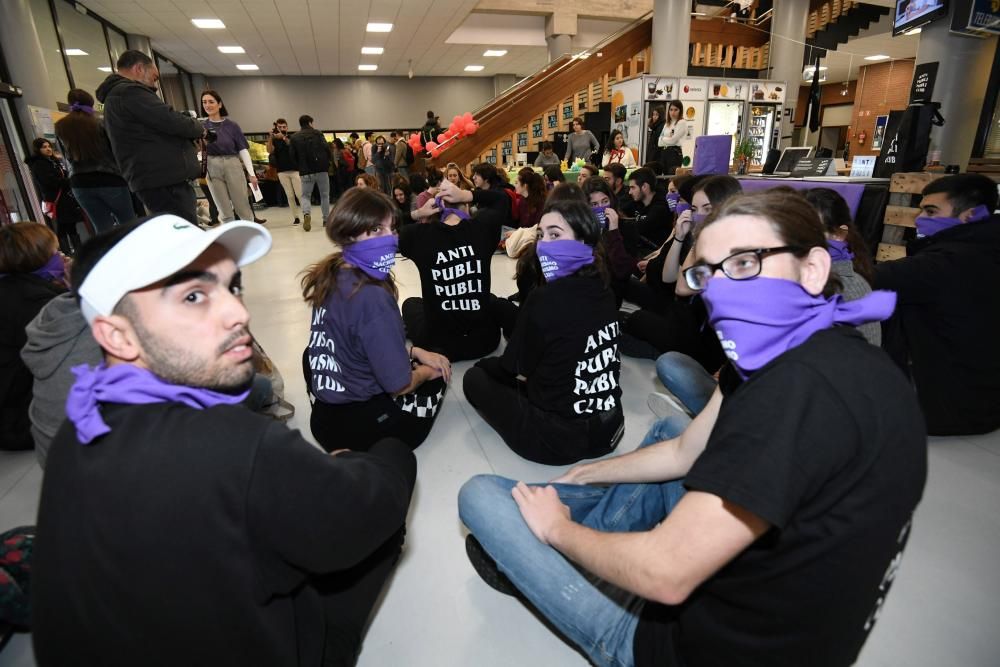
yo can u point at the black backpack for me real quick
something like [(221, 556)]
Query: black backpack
[(410, 158), (317, 154)]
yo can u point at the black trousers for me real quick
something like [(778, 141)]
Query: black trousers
[(671, 158), (459, 346), (360, 425), (533, 433), (178, 199), (213, 211)]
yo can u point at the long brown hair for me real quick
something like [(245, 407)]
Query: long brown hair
[(370, 181), (790, 216), (835, 214), (535, 186), (79, 131), (26, 247), (359, 210)]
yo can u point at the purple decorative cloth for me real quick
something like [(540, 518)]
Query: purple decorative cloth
[(929, 226), (673, 198), (681, 207), (757, 320), (53, 270), (131, 385), (445, 210), (563, 257), (85, 108), (839, 250), (851, 192), (698, 218), (712, 154), (375, 256)]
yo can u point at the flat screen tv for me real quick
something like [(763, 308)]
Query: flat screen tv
[(912, 14)]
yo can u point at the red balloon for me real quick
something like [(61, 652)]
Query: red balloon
[(471, 127), (436, 152), (467, 117), (442, 138), (430, 146)]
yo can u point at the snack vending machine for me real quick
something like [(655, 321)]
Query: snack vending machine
[(764, 118)]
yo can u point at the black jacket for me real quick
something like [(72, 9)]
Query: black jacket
[(283, 155), (21, 297), (653, 149), (311, 151), (49, 175), (945, 326), (153, 144)]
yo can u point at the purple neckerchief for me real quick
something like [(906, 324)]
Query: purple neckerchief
[(130, 385), (53, 270), (929, 226), (76, 106), (563, 257), (839, 251), (759, 319), (698, 218), (673, 198), (375, 256), (681, 207), (446, 211)]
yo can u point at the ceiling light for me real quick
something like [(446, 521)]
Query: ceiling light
[(76, 52), (372, 50), (248, 68), (379, 27), (474, 68), (208, 24), (914, 31), (105, 69), (495, 53), (232, 49), (367, 68), (878, 57)]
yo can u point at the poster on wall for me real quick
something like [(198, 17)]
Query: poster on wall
[(660, 88), (567, 111), (767, 91), (879, 134), (626, 111), (693, 89), (536, 129), (522, 139), (728, 90), (553, 121)]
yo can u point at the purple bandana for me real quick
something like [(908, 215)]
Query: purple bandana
[(928, 226), (53, 270), (375, 256), (757, 320), (839, 250), (446, 211), (562, 258), (131, 385), (681, 207), (698, 218), (76, 106), (673, 198)]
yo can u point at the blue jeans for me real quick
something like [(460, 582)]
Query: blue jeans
[(597, 616), (106, 207), (686, 379), (322, 180)]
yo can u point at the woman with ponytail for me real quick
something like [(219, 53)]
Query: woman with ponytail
[(565, 345), (366, 380)]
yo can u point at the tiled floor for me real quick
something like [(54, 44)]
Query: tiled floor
[(942, 610)]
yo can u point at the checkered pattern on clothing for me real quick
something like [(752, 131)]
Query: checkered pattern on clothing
[(421, 406)]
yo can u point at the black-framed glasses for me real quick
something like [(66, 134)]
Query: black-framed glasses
[(742, 265)]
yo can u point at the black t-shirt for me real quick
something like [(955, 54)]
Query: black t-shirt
[(183, 537), (454, 264), (654, 222), (566, 345), (826, 443)]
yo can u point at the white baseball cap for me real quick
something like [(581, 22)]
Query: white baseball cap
[(159, 248)]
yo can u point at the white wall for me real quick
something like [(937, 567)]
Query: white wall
[(349, 103)]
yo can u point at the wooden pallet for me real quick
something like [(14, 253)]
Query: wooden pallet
[(901, 212)]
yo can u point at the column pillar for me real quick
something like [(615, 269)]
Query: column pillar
[(560, 26), (671, 37), (23, 53), (789, 20), (139, 43), (962, 78)]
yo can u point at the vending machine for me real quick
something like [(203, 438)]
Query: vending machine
[(727, 109), (764, 118)]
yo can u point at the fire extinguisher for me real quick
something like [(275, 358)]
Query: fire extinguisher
[(862, 135)]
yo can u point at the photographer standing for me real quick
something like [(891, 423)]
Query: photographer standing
[(152, 143), (227, 148), (283, 159)]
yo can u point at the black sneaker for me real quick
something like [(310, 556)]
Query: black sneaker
[(295, 221), (487, 569)]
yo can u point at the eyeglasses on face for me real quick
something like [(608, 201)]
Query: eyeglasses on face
[(742, 265)]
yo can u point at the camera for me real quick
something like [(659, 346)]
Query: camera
[(211, 136)]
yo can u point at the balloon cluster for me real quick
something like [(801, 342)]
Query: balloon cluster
[(461, 126)]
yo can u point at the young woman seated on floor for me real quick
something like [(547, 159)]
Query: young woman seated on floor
[(368, 382), (567, 407), (604, 204)]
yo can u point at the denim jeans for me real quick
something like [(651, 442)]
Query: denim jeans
[(597, 616), (106, 207), (322, 180), (686, 379)]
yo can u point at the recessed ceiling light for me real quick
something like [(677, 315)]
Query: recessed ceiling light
[(105, 69), (878, 57), (76, 52), (495, 53), (379, 27), (248, 68), (367, 68), (914, 31), (372, 50), (474, 68), (208, 24), (232, 49)]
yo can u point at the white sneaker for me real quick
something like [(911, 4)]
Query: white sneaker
[(665, 405)]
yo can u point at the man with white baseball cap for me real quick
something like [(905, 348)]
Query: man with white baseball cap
[(176, 526)]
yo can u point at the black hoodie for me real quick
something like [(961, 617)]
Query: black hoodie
[(152, 143)]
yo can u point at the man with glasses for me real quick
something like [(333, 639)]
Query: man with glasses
[(745, 535)]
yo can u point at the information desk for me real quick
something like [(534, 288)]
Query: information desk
[(865, 197)]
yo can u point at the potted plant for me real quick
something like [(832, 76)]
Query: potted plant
[(742, 154)]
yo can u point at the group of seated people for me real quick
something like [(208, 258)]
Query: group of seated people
[(178, 526)]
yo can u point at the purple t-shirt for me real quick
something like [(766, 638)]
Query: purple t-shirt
[(357, 346), (231, 140)]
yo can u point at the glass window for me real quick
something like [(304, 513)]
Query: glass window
[(118, 45), (83, 37), (54, 66)]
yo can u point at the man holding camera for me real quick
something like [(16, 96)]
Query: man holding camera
[(153, 144), (283, 159)]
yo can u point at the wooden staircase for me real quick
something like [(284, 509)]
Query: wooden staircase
[(834, 22)]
